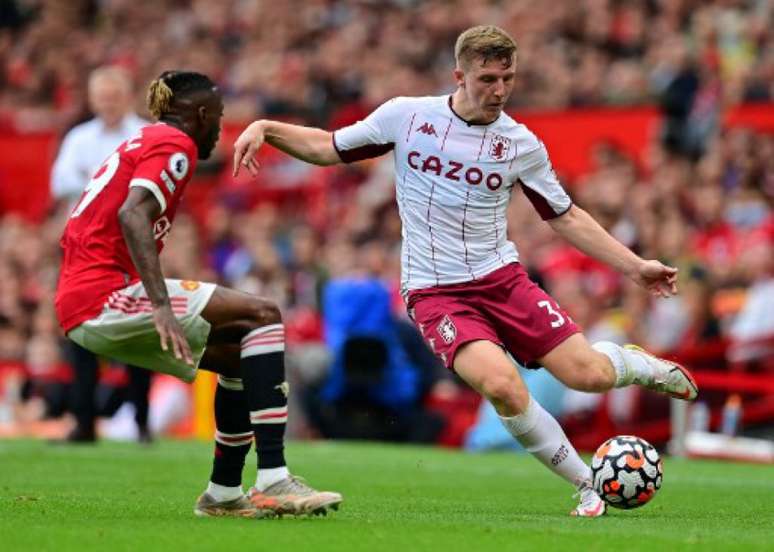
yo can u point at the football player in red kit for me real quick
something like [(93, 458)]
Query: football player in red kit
[(113, 299)]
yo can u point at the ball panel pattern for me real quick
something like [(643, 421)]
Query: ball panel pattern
[(627, 471)]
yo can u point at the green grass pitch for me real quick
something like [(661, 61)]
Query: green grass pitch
[(120, 496)]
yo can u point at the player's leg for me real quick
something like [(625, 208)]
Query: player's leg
[(604, 365), (224, 495), (468, 342), (486, 368), (247, 343), (535, 328)]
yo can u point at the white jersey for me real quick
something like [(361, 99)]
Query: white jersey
[(454, 183)]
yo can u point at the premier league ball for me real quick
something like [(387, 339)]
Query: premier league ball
[(626, 471)]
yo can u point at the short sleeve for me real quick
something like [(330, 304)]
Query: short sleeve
[(374, 135), (162, 170), (540, 184)]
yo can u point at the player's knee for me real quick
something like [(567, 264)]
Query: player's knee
[(265, 312), (504, 392)]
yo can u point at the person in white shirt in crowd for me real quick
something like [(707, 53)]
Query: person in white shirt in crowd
[(83, 150), (457, 160)]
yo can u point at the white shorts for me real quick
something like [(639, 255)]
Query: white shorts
[(125, 331)]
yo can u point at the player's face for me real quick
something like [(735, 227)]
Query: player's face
[(488, 85), (212, 115)]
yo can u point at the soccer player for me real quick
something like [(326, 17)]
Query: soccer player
[(113, 300), (457, 160)]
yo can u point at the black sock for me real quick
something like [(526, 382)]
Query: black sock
[(233, 434), (263, 374)]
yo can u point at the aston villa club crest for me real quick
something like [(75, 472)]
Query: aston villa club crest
[(447, 330), (499, 147)]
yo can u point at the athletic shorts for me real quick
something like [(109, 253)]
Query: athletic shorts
[(504, 307), (125, 331)]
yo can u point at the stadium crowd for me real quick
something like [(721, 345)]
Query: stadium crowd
[(324, 59), (702, 201)]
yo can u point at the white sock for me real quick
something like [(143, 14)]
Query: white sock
[(222, 493), (268, 477), (542, 436), (630, 367)]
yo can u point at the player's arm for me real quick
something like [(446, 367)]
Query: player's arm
[(309, 144), (136, 218), (366, 139), (581, 230)]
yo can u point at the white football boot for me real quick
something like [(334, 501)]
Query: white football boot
[(590, 504), (293, 496), (668, 377)]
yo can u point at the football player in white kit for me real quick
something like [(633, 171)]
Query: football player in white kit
[(457, 159)]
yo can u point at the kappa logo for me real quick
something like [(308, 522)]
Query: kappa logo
[(499, 147), (447, 330), (428, 129)]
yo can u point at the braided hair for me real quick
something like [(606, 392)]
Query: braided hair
[(170, 86)]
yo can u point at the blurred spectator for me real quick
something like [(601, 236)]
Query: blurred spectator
[(380, 371), (86, 146), (752, 331), (83, 150)]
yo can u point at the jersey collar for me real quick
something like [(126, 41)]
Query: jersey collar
[(469, 123)]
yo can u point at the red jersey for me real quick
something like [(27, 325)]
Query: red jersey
[(96, 258)]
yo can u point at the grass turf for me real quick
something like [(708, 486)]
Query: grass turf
[(120, 496)]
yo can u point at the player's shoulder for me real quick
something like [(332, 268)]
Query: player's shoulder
[(526, 140), (413, 103)]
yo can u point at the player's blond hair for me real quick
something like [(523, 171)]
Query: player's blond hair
[(159, 97), (485, 42), (171, 87)]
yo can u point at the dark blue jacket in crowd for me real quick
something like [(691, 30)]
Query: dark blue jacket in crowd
[(361, 308)]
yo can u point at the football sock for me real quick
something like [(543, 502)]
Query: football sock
[(222, 493), (542, 436), (263, 373), (629, 367), (233, 434), (268, 477)]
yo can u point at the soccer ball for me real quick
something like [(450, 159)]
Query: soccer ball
[(626, 471)]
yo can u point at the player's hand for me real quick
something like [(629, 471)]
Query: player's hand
[(171, 333), (660, 280), (246, 146)]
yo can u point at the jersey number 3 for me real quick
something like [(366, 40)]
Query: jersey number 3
[(557, 318), (98, 182)]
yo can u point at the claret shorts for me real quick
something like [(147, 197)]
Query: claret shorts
[(504, 307)]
